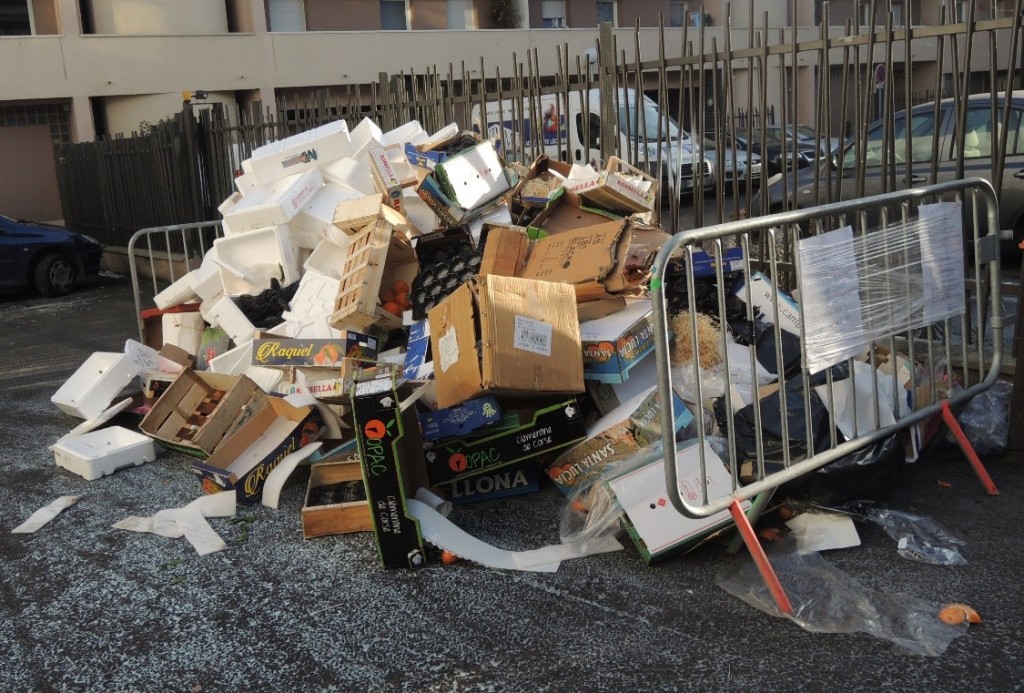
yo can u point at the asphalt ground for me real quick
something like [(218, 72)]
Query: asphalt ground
[(88, 607)]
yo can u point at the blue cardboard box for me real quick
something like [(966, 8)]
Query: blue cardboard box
[(460, 420), (514, 480), (616, 343)]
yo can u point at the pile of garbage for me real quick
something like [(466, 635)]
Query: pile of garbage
[(428, 325)]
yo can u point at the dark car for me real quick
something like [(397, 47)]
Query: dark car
[(772, 148), (49, 258), (923, 138)]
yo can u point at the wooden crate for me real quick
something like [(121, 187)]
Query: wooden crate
[(334, 518), (378, 255)]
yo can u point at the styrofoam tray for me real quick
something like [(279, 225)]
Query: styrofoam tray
[(99, 453), (92, 388)]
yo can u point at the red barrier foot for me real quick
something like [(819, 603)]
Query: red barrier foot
[(968, 450), (760, 559)]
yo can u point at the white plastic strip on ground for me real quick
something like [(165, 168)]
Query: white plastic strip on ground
[(442, 533), (188, 521), (40, 517), (274, 482)]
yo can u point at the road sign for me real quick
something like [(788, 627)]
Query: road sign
[(880, 74)]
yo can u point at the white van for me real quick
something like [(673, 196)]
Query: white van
[(545, 125)]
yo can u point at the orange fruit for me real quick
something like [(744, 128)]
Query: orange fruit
[(402, 299), (400, 286), (387, 295), (393, 308), (449, 558)]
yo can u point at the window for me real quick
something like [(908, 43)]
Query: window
[(607, 12), (287, 15), (393, 15), (960, 11), (16, 18), (677, 13), (898, 18), (864, 14), (553, 14), (922, 134), (460, 14)]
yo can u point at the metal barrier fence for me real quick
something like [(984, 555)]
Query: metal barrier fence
[(859, 307), (166, 253)]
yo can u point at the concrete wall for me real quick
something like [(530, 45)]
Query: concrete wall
[(169, 17), (29, 187), (123, 114)]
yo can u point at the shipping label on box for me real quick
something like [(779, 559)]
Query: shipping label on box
[(514, 480), (325, 353), (615, 437), (391, 453), (427, 159), (614, 344), (245, 458), (523, 435), (385, 178), (460, 420)]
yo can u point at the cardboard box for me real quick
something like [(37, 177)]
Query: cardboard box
[(461, 420), (417, 366), (652, 522), (428, 159), (550, 172), (566, 212), (391, 453), (336, 499), (505, 335), (505, 249), (385, 178), (472, 177), (620, 187), (246, 456), (514, 480), (322, 353), (615, 437), (377, 257), (524, 434), (762, 295), (592, 259), (201, 409), (614, 344)]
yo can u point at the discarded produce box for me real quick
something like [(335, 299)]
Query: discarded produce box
[(545, 176), (652, 522), (417, 366), (523, 434), (98, 453), (200, 409), (352, 216), (472, 177), (152, 322), (300, 152), (504, 335), (460, 420), (635, 424), (505, 249), (762, 294), (619, 187), (325, 353), (614, 344), (391, 453), (274, 203), (92, 387), (248, 454), (513, 480), (565, 211), (379, 260), (336, 499), (385, 178)]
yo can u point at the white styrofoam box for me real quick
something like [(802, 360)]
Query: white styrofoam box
[(206, 282), (363, 133), (98, 453), (246, 183), (229, 204), (350, 172), (403, 133), (184, 330), (226, 315), (301, 152), (418, 212), (309, 226), (92, 387), (328, 258), (248, 261), (180, 291), (274, 203), (311, 307), (92, 424), (233, 361), (266, 378)]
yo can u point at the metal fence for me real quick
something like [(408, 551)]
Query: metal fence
[(864, 354)]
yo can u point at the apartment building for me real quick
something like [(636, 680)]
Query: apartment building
[(88, 68)]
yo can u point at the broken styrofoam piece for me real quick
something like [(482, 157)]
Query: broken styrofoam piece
[(93, 424), (404, 133), (310, 225), (91, 388), (249, 261), (183, 330), (233, 361), (275, 480), (328, 258), (266, 378), (301, 152), (40, 517), (274, 203), (98, 453), (441, 532), (224, 313), (311, 307), (188, 521), (180, 291), (367, 131), (206, 282), (149, 359), (436, 503)]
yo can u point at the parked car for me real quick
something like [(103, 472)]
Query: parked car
[(49, 258), (802, 155), (918, 137), (804, 135)]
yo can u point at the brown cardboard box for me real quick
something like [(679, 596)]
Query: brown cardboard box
[(620, 187), (589, 258), (505, 250), (506, 335), (339, 517), (566, 212)]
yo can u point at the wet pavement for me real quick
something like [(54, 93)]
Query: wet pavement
[(89, 607)]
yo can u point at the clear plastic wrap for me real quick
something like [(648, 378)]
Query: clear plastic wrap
[(986, 419), (918, 538), (827, 600), (712, 378)]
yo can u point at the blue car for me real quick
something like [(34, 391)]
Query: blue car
[(49, 258)]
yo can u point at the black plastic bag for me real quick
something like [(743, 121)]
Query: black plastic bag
[(871, 473)]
